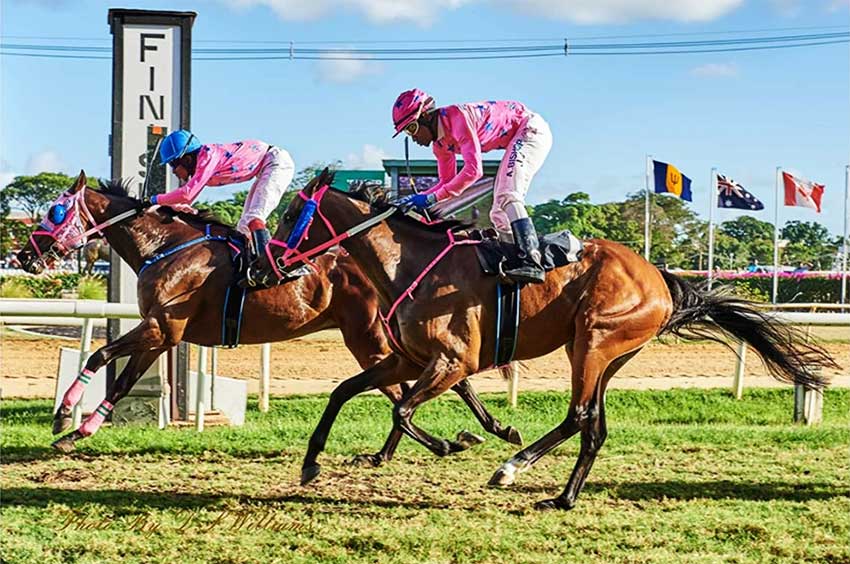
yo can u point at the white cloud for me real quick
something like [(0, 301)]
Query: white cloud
[(712, 70), (422, 12), (621, 11), (368, 159), (425, 12), (344, 71), (45, 161)]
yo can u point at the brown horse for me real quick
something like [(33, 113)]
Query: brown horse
[(181, 299), (602, 310)]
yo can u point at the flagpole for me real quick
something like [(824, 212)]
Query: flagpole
[(712, 203), (776, 239), (845, 241), (646, 238)]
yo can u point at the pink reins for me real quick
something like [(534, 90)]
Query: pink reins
[(292, 255)]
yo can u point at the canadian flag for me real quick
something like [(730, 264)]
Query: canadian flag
[(801, 192)]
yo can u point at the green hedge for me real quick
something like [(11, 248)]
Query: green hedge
[(50, 286), (791, 289)]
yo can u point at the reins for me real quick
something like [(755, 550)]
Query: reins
[(299, 234)]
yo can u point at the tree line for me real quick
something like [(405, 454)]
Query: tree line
[(679, 237)]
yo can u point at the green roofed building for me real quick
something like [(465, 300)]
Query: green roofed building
[(424, 174), (423, 171)]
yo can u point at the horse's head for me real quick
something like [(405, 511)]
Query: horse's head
[(296, 226), (60, 232)]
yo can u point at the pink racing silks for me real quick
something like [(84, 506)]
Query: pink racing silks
[(218, 165), (470, 130), (96, 419), (75, 392)]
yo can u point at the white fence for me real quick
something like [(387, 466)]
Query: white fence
[(89, 313)]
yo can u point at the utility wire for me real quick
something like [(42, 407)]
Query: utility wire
[(436, 41), (459, 53)]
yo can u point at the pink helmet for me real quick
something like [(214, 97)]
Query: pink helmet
[(408, 106)]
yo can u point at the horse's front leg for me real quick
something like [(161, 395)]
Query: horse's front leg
[(136, 366), (394, 369), (440, 375), (464, 439), (135, 340)]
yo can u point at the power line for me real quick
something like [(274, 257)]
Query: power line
[(738, 31), (460, 53)]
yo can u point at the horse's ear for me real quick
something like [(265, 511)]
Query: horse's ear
[(328, 177), (80, 182)]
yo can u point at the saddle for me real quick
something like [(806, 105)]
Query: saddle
[(556, 249), (234, 296)]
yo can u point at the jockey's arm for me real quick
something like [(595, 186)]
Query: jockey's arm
[(446, 167), (470, 150), (207, 162)]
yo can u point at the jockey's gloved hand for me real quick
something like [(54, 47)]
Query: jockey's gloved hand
[(419, 202), (153, 200)]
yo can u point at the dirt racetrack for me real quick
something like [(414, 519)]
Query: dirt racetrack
[(316, 363)]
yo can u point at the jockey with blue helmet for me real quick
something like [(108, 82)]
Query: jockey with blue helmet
[(198, 165)]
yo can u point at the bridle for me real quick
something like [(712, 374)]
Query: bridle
[(299, 233), (70, 234)]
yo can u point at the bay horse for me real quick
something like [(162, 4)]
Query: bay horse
[(439, 309), (181, 299)]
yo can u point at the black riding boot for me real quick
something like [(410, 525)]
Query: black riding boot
[(255, 276), (525, 238)]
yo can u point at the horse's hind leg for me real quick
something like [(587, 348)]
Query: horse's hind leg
[(587, 367), (134, 340), (593, 435)]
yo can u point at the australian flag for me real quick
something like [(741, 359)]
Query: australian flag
[(732, 195)]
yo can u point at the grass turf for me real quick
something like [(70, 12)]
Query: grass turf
[(685, 476)]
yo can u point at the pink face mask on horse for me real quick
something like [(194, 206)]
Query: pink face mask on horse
[(63, 223)]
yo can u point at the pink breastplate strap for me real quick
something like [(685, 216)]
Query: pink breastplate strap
[(408, 293)]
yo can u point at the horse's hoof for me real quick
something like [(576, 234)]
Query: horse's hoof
[(554, 503), (513, 436), (366, 460), (466, 439), (65, 444), (309, 473), (504, 477), (62, 423)]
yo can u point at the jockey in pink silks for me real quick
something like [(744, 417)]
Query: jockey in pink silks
[(217, 165), (470, 130)]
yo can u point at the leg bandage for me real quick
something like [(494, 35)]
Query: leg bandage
[(75, 392), (96, 419)]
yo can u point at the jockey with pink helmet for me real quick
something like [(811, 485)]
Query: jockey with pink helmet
[(470, 130)]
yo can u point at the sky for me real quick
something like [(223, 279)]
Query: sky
[(743, 112)]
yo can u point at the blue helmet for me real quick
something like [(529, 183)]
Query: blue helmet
[(177, 144)]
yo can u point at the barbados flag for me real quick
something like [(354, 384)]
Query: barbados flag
[(668, 180)]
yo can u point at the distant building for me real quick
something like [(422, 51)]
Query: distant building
[(424, 173)]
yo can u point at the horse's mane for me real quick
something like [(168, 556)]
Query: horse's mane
[(118, 188), (379, 200)]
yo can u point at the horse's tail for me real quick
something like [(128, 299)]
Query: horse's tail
[(783, 348)]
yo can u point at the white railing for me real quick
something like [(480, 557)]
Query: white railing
[(91, 313), (88, 313)]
